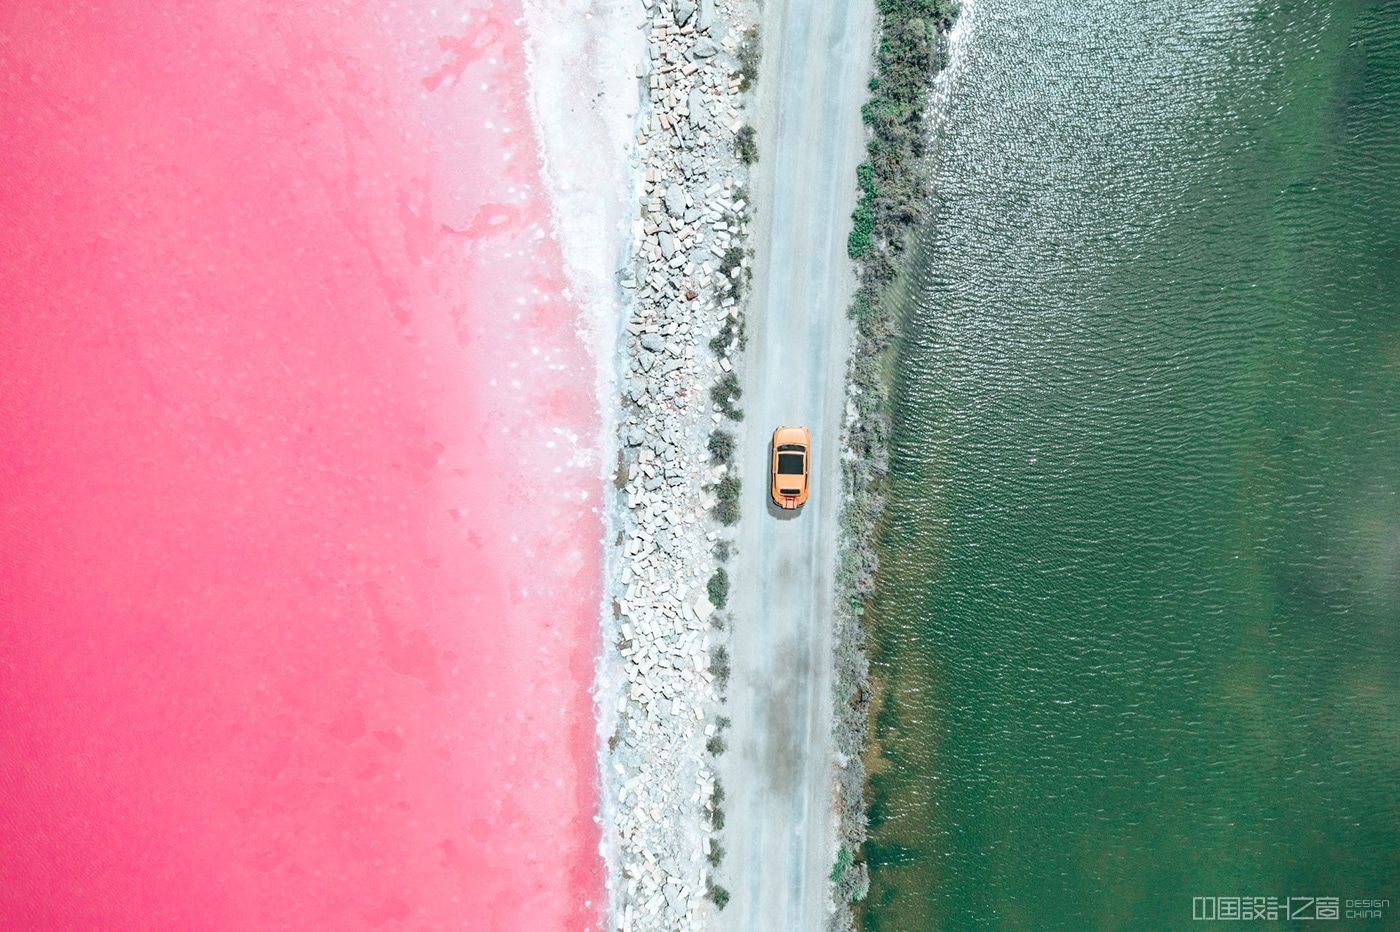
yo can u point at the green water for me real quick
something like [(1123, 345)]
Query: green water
[(1137, 629)]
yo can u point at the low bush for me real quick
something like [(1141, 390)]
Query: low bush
[(746, 145), (843, 859), (721, 446), (737, 275), (719, 666), (725, 393), (748, 55), (718, 588), (733, 258), (862, 226), (727, 500), (732, 330)]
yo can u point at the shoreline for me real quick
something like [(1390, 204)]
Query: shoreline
[(662, 289), (594, 237), (908, 93)]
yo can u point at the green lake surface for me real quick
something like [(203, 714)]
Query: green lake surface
[(1136, 636)]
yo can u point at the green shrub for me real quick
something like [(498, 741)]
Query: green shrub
[(715, 744), (724, 393), (746, 145), (719, 895), (748, 55), (727, 500), (865, 174), (731, 264), (860, 308), (719, 666), (733, 257), (718, 588), (719, 343), (863, 224), (721, 446), (843, 858)]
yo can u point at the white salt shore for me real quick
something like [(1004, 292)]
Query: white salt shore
[(636, 106)]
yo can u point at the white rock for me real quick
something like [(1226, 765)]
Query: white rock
[(702, 608)]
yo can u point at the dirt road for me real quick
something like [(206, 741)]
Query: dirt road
[(777, 773)]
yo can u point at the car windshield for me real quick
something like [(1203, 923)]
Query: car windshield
[(790, 464)]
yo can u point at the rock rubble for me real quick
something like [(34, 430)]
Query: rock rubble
[(691, 211)]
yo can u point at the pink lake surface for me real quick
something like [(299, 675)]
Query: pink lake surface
[(299, 570)]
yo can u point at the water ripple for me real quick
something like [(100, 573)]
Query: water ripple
[(1135, 634)]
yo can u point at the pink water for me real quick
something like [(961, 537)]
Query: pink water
[(298, 577)]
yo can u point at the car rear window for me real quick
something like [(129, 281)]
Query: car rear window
[(790, 464)]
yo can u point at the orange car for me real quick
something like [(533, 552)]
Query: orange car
[(792, 461)]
